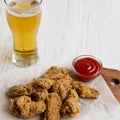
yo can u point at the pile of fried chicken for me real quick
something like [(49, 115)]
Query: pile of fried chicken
[(54, 95)]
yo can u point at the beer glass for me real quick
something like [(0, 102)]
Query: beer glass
[(23, 18)]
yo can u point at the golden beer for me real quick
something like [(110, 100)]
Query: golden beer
[(24, 28)]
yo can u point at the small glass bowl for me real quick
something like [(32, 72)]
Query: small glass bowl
[(87, 67)]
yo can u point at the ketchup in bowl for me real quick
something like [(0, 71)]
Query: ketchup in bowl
[(86, 67)]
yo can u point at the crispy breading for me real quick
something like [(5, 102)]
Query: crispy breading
[(43, 83), (73, 94), (30, 88), (52, 107), (17, 90), (60, 90), (41, 95), (69, 107), (56, 73), (20, 90), (23, 107), (61, 87), (68, 78), (84, 91)]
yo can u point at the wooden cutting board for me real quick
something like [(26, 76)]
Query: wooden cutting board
[(112, 78)]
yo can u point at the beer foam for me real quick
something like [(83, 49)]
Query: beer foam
[(23, 1), (18, 6)]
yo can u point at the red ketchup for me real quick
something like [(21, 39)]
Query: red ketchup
[(87, 67)]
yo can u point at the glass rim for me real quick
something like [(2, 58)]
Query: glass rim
[(6, 3)]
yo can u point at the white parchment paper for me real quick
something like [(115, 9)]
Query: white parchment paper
[(106, 107)]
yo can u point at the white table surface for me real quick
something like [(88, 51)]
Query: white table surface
[(69, 28)]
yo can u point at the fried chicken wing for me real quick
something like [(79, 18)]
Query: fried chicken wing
[(85, 91), (52, 107), (23, 107), (56, 73), (69, 107)]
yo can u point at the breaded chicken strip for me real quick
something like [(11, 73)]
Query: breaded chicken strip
[(30, 88), (56, 73), (20, 90), (73, 94), (43, 83), (61, 87), (23, 107), (69, 107), (41, 95), (85, 91), (52, 107), (68, 78), (17, 90)]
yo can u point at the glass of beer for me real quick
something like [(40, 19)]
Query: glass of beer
[(23, 18)]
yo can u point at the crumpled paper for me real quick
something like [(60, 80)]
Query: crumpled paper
[(106, 107)]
